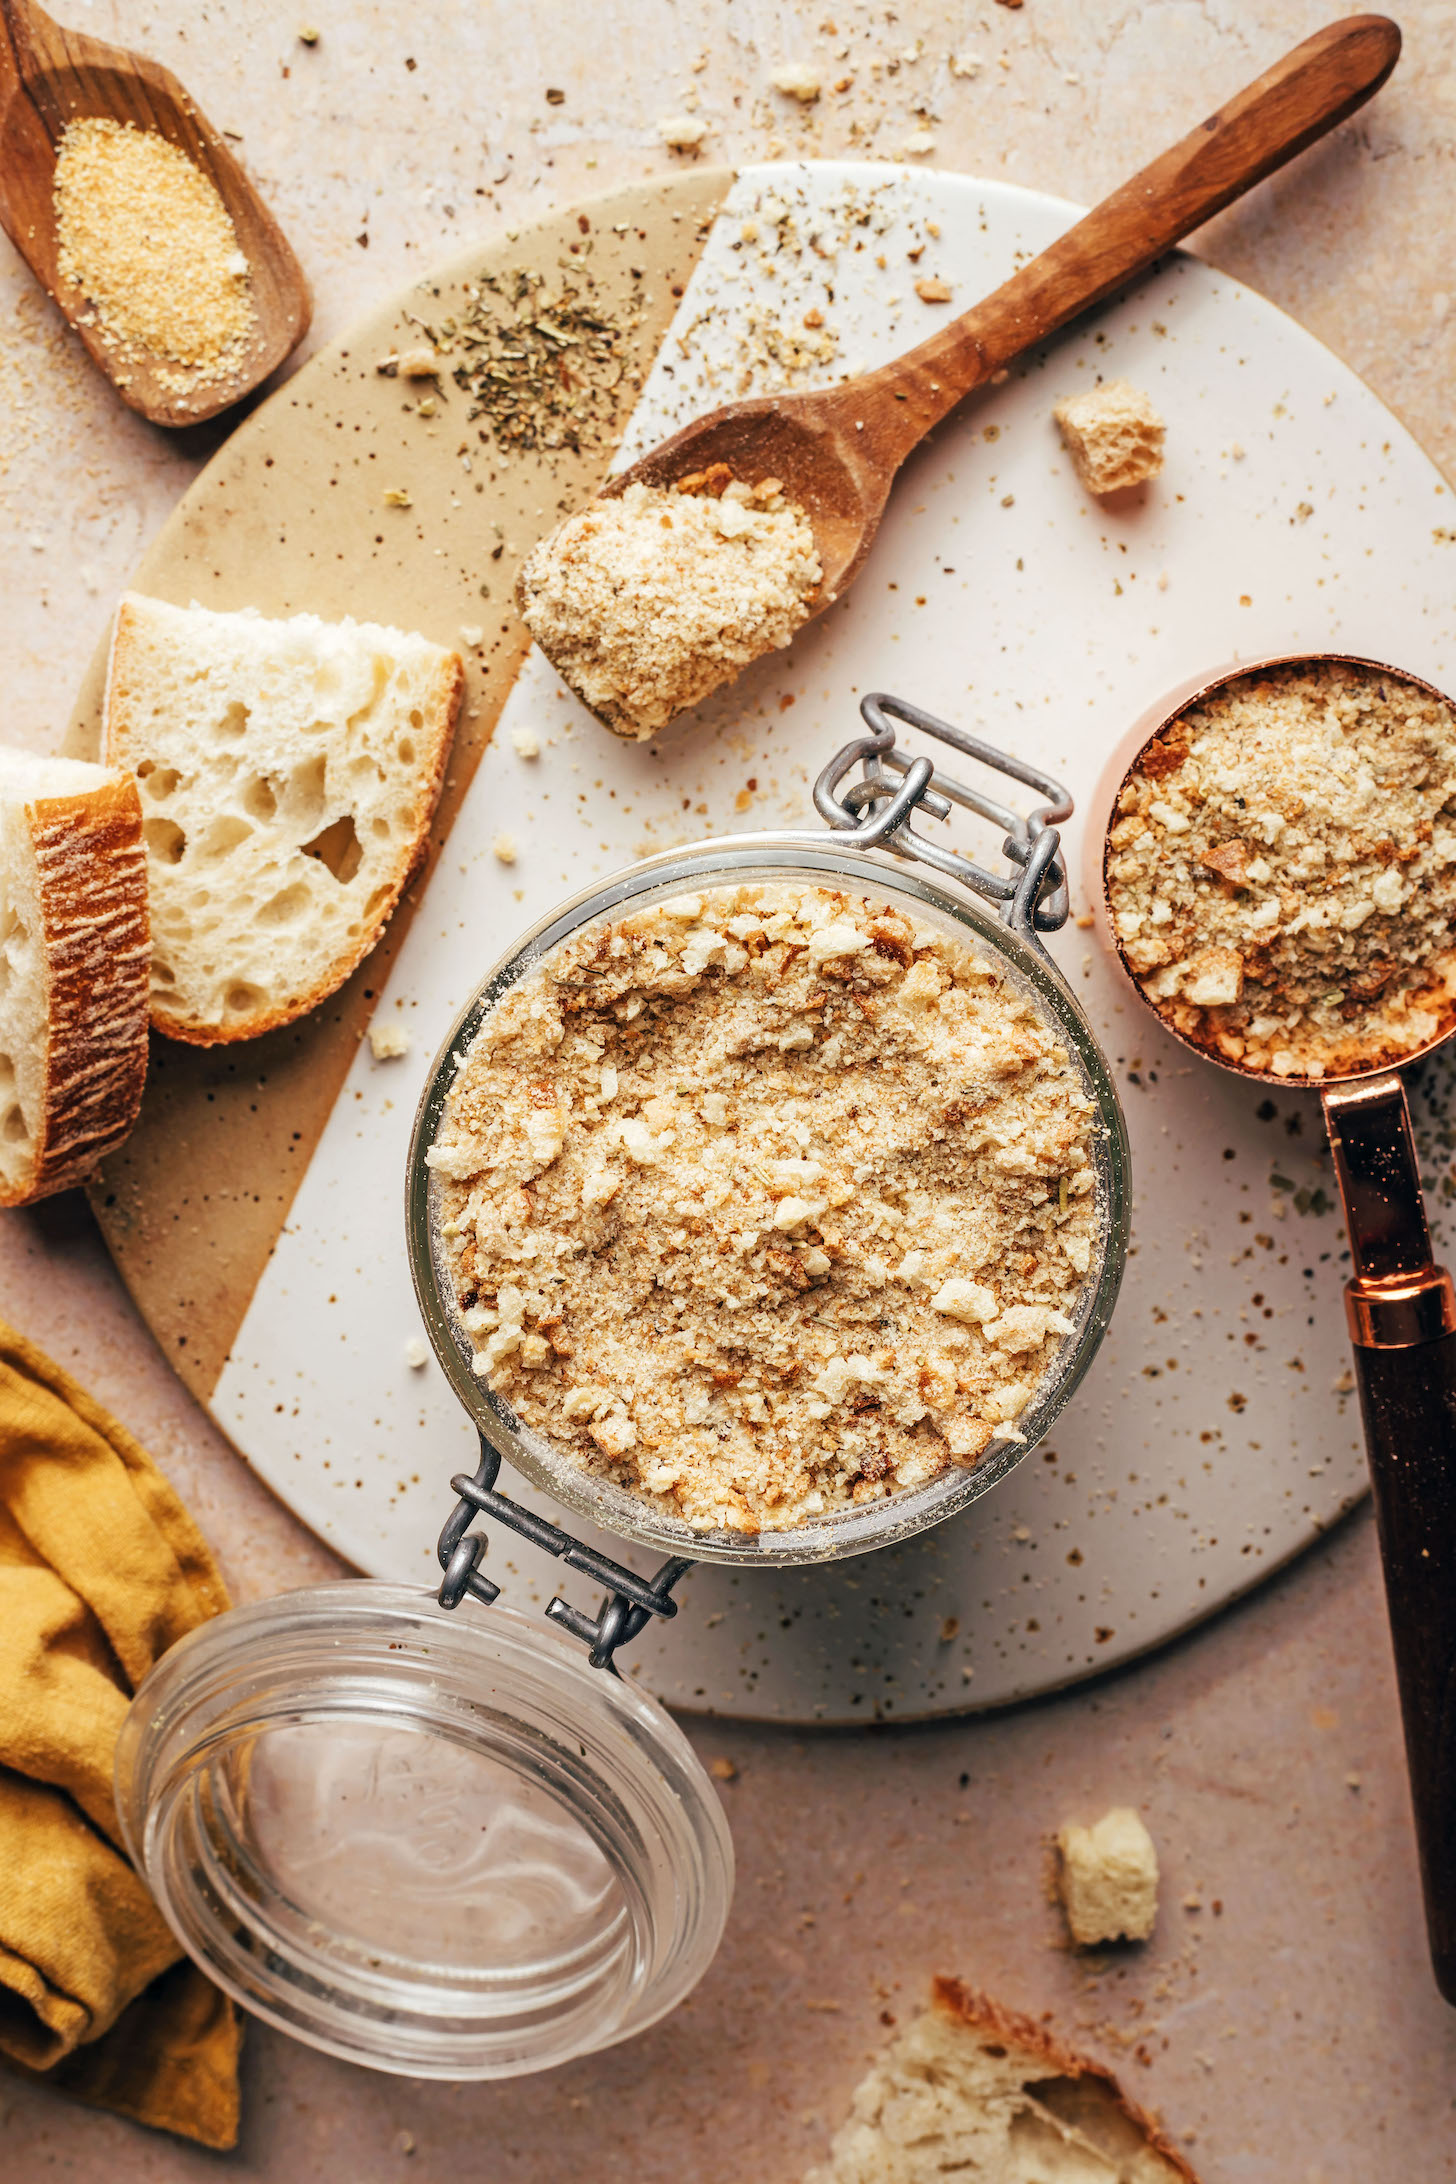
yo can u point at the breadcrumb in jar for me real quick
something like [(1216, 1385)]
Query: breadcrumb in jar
[(766, 1201)]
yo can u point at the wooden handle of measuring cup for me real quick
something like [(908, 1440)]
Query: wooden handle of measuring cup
[(1402, 1314)]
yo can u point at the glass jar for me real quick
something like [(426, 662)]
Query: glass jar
[(451, 1845), (796, 859)]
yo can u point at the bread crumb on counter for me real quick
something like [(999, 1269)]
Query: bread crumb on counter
[(765, 1201), (416, 1356), (1113, 435), (682, 132), (505, 849), (525, 742), (1281, 869), (646, 601), (387, 1042), (1109, 1878)]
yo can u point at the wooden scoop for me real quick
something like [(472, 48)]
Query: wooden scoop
[(836, 450), (50, 77)]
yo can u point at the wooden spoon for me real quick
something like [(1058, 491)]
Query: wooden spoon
[(50, 77), (837, 449)]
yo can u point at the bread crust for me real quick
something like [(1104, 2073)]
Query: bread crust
[(96, 946), (439, 730), (980, 2014)]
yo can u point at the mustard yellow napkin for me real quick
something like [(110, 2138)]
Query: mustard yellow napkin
[(101, 1569)]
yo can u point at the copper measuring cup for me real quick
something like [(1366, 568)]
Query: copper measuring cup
[(1401, 1309)]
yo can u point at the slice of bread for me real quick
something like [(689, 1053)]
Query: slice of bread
[(74, 957), (978, 2093), (288, 772)]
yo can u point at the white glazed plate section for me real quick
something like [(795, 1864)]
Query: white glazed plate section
[(1215, 1435)]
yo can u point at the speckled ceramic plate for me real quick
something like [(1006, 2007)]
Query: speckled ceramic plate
[(1216, 1435)]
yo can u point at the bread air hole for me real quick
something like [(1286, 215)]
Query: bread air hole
[(242, 1000), (305, 792), (259, 797), (165, 840), (405, 751), (379, 828), (163, 973), (338, 848), (159, 782), (221, 838), (12, 1129), (234, 723), (286, 907)]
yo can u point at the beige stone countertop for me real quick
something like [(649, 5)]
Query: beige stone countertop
[(1283, 2019)]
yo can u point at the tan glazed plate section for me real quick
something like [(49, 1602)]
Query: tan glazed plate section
[(257, 1214), (290, 516)]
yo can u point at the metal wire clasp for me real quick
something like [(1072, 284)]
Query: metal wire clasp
[(1036, 900), (631, 1601)]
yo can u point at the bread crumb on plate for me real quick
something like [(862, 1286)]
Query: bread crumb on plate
[(505, 849), (416, 1356), (526, 743), (797, 80), (1109, 1878), (1113, 435)]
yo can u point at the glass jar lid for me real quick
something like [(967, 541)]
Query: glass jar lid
[(436, 1844)]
